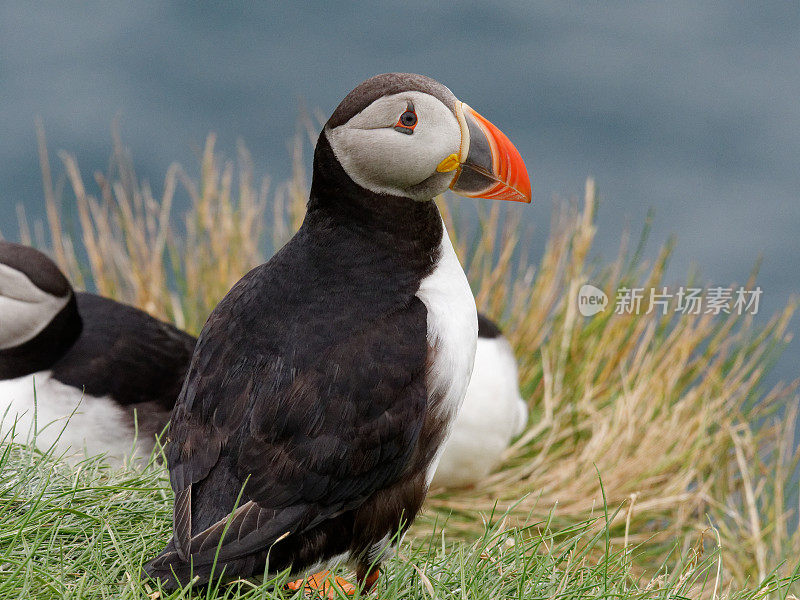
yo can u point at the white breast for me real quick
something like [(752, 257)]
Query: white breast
[(452, 334), (60, 415), (493, 412)]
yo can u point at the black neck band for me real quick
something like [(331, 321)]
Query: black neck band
[(411, 228)]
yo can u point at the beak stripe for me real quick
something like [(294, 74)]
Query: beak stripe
[(507, 164), (462, 122)]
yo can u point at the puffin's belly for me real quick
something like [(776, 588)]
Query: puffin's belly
[(452, 337), (491, 415), (78, 424)]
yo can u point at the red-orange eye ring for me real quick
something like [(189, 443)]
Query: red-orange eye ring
[(407, 121)]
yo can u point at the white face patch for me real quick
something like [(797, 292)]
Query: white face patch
[(386, 161), (25, 309)]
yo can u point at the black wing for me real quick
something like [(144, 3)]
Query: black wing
[(127, 354), (307, 405)]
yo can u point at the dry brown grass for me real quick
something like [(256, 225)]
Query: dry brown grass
[(667, 413)]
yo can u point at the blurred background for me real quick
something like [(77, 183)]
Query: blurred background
[(689, 110)]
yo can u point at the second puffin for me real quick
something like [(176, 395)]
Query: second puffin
[(324, 384)]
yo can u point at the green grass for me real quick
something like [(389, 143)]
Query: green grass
[(83, 531)]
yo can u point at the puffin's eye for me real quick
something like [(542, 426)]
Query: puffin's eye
[(407, 121)]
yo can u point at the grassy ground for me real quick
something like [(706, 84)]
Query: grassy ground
[(697, 459), (83, 532)]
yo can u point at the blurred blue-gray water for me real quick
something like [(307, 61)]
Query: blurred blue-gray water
[(692, 109)]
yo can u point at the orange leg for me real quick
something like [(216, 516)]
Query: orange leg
[(367, 582), (322, 584)]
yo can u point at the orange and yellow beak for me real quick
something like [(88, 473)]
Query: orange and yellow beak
[(487, 165)]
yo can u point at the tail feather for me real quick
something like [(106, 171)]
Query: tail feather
[(173, 572), (169, 568)]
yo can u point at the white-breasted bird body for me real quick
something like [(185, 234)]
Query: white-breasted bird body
[(493, 412)]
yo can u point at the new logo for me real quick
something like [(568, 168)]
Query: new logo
[(591, 300)]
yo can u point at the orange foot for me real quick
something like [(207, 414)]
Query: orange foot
[(368, 581), (323, 585)]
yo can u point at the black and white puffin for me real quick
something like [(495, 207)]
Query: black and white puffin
[(112, 370), (492, 413), (324, 384)]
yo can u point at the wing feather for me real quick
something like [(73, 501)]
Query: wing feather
[(182, 522)]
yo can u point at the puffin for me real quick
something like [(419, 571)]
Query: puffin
[(493, 412), (86, 374), (324, 384)]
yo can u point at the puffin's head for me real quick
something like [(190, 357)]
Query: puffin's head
[(32, 292), (407, 135)]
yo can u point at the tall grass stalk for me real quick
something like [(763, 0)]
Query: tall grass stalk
[(695, 456)]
